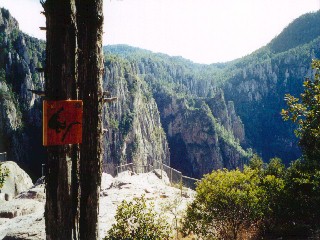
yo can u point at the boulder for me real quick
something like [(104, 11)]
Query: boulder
[(17, 181)]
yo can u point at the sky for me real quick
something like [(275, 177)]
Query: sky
[(204, 31)]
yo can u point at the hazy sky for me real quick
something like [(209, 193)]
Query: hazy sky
[(205, 31)]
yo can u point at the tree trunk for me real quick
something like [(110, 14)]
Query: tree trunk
[(90, 73), (62, 204)]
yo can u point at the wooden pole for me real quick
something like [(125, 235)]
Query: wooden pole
[(90, 73), (62, 191)]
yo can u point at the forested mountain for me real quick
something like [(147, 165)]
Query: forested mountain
[(194, 117), (255, 85)]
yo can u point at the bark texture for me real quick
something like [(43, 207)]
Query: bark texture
[(61, 209), (90, 73)]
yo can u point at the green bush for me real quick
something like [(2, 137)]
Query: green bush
[(227, 204), (303, 193), (238, 204), (137, 221), (265, 200)]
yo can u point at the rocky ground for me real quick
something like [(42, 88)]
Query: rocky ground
[(22, 217)]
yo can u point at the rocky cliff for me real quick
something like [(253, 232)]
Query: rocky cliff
[(209, 137), (20, 112), (134, 131), (203, 130), (201, 136)]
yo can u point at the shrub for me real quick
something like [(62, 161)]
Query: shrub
[(228, 203), (137, 221), (4, 172)]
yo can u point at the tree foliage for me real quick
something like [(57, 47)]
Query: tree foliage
[(230, 204), (305, 111), (303, 176), (264, 200), (135, 220), (302, 195)]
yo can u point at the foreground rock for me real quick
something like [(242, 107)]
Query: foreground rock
[(23, 217)]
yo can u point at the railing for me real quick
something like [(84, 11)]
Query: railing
[(189, 182), (135, 168), (175, 177)]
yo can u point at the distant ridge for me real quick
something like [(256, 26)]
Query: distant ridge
[(301, 31)]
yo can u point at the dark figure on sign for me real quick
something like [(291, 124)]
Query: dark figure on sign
[(68, 130), (54, 122)]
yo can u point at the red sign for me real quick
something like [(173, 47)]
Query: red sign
[(62, 122)]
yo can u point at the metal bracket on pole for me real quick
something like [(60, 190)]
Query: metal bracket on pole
[(110, 100), (38, 92)]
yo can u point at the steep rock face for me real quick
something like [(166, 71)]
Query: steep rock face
[(134, 132), (255, 84), (204, 132), (134, 129), (7, 22), (245, 110), (199, 142), (226, 115), (20, 113)]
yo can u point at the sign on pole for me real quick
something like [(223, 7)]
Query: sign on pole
[(62, 122)]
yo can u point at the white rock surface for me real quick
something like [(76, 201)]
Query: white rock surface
[(35, 192), (126, 186), (28, 227)]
